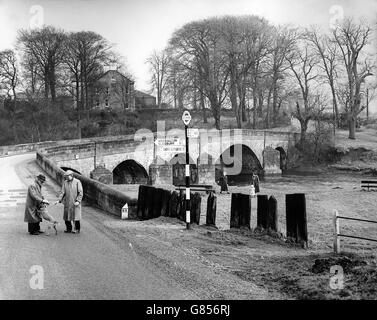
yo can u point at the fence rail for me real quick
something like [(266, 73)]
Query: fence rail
[(338, 235)]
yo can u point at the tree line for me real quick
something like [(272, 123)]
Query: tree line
[(254, 68), (49, 62)]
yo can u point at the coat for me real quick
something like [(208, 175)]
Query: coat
[(223, 183), (71, 192), (33, 201), (255, 182)]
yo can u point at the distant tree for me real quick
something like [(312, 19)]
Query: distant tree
[(327, 51), (303, 63), (45, 47), (9, 81), (352, 39), (197, 48), (159, 65)]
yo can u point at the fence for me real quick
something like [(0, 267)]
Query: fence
[(338, 235)]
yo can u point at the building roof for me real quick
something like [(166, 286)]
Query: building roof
[(116, 71), (140, 94)]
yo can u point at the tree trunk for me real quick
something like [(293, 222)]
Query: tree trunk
[(52, 83), (304, 128), (352, 126), (268, 109), (254, 109), (215, 106), (202, 104), (233, 101)]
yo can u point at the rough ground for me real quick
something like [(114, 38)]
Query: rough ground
[(267, 260)]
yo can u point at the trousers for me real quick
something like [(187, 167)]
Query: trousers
[(68, 225)]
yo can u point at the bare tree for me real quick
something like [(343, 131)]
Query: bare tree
[(9, 78), (197, 48), (328, 52), (46, 47), (159, 64), (352, 39), (282, 45), (303, 62)]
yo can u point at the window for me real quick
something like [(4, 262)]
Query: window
[(107, 102), (107, 90), (97, 102)]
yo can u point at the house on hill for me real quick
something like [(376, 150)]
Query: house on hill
[(116, 91), (144, 100)]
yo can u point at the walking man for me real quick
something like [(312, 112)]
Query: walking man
[(71, 196), (34, 200)]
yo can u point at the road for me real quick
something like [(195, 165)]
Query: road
[(89, 265)]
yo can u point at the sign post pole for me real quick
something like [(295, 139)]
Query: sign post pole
[(186, 118)]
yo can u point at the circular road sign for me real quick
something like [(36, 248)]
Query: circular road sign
[(186, 117)]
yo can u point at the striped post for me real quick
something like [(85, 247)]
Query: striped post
[(187, 171)]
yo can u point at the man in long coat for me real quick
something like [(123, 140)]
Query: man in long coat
[(71, 196), (223, 182), (34, 200)]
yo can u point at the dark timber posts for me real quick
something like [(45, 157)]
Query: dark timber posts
[(196, 201), (262, 211), (211, 210), (240, 210), (296, 217), (166, 195), (141, 202), (174, 204), (272, 218)]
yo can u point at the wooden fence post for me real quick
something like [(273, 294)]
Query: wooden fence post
[(141, 202), (262, 211), (336, 232), (272, 221), (174, 204), (211, 210)]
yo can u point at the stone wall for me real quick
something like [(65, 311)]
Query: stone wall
[(95, 193)]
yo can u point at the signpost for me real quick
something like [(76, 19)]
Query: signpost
[(186, 118)]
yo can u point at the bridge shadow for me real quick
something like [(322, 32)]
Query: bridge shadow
[(130, 172), (239, 162)]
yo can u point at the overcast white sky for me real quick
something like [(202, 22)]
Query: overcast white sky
[(137, 27)]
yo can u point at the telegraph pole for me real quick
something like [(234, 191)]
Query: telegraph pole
[(186, 118)]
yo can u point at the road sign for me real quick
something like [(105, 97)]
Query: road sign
[(173, 148), (169, 142), (193, 133), (186, 118)]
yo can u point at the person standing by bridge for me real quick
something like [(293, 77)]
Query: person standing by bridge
[(223, 182), (71, 196), (255, 182), (34, 200)]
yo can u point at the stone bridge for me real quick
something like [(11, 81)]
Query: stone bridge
[(159, 158)]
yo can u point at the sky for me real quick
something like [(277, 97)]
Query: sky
[(137, 27)]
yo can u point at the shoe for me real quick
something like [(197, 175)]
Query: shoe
[(78, 231), (67, 231), (73, 231)]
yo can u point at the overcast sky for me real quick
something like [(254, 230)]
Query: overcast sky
[(137, 27)]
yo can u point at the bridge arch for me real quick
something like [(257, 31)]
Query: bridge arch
[(130, 172), (178, 163), (244, 163), (74, 170)]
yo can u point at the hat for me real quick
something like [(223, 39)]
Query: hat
[(41, 177), (68, 173)]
